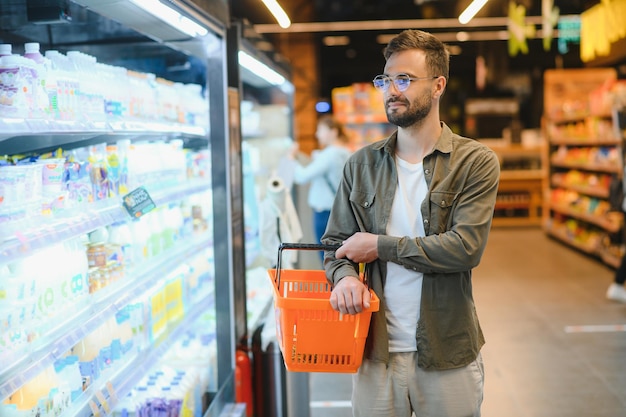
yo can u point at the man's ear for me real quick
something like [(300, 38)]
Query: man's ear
[(439, 87)]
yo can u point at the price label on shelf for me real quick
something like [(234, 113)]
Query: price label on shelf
[(105, 405), (94, 408), (138, 202), (112, 393)]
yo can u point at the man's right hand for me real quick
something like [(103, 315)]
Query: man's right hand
[(350, 296)]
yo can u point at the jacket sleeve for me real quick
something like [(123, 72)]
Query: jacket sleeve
[(457, 222), (341, 225)]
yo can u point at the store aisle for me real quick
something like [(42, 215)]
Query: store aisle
[(533, 296)]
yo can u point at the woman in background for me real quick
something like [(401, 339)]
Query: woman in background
[(324, 170)]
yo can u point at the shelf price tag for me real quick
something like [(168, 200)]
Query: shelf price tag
[(138, 202), (105, 405), (112, 393), (94, 408)]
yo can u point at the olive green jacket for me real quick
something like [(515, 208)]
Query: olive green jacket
[(462, 176)]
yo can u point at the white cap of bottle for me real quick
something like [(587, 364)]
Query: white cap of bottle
[(5, 49), (31, 47)]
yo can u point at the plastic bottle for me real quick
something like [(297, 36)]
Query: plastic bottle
[(68, 85), (120, 237), (156, 230), (141, 236), (31, 51), (35, 394), (53, 190), (123, 149), (89, 354), (78, 267), (54, 85), (98, 172), (5, 49), (73, 376), (91, 97), (62, 394), (113, 170), (38, 79), (127, 407), (80, 190), (124, 332), (12, 96)]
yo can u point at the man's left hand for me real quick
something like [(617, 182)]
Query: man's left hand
[(361, 247)]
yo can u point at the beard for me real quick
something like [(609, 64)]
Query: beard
[(415, 112)]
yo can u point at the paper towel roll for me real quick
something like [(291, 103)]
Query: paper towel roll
[(276, 192)]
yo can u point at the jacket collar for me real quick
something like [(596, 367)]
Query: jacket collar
[(443, 144)]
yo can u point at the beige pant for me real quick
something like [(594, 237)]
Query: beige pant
[(401, 388)]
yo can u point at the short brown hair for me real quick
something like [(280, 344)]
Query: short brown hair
[(332, 123), (437, 54)]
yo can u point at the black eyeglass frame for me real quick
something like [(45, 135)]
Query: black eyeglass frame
[(387, 80)]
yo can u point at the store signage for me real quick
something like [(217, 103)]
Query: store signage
[(138, 202), (519, 31), (569, 32), (601, 26), (549, 18)]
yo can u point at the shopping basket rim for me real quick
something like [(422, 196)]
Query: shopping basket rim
[(293, 302)]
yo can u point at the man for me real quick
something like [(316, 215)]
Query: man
[(416, 208)]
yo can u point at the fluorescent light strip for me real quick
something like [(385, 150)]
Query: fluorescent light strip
[(278, 13), (471, 10), (260, 69), (171, 17)]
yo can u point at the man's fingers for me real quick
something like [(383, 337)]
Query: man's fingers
[(367, 297)]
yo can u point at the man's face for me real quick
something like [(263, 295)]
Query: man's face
[(409, 107)]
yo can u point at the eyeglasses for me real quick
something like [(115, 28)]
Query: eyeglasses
[(401, 81)]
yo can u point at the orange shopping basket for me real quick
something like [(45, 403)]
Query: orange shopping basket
[(312, 336)]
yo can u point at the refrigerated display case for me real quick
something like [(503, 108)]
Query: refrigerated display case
[(262, 105), (115, 203)]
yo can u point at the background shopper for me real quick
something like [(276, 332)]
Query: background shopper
[(616, 290), (324, 169), (416, 207)]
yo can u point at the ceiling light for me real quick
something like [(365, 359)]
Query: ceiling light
[(336, 40), (471, 11), (260, 69), (172, 17), (462, 36), (278, 13)]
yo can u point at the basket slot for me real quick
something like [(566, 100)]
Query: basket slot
[(302, 289), (323, 359)]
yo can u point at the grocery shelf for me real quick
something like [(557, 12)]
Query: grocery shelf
[(613, 169), (21, 238), (587, 247), (95, 311), (99, 399), (27, 135), (606, 222), (593, 191), (586, 141)]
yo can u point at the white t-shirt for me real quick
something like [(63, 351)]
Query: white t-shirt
[(403, 287)]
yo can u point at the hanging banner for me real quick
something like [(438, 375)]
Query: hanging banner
[(519, 31), (602, 25), (549, 18)]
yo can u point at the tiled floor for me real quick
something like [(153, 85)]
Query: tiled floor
[(529, 290)]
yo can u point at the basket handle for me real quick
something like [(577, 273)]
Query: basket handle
[(299, 246)]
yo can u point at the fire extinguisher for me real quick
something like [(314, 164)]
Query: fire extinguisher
[(243, 380)]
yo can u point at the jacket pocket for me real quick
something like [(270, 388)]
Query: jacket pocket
[(441, 203), (362, 205), (362, 199)]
